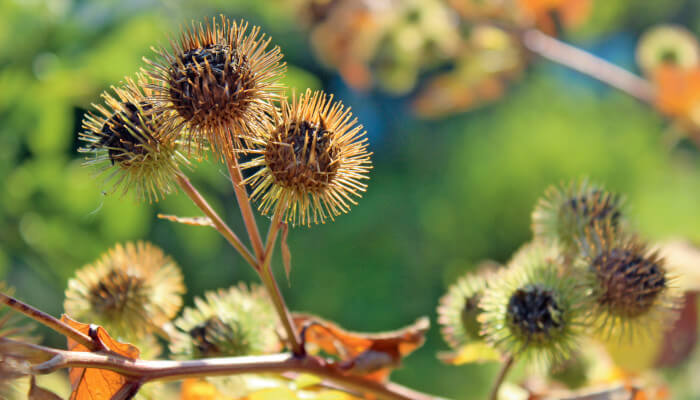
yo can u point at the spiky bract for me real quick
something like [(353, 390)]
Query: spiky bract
[(565, 212), (220, 81), (532, 311), (629, 285), (234, 322), (667, 44), (127, 136), (132, 290), (312, 162), (459, 309)]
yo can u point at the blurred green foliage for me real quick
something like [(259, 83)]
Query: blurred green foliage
[(443, 195)]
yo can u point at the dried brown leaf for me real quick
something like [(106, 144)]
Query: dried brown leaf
[(100, 384), (370, 355)]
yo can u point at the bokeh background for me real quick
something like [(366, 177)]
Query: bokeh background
[(444, 193)]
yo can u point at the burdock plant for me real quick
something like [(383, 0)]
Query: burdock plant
[(218, 90)]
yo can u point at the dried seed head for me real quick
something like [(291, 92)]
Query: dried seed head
[(564, 213), (533, 311), (667, 44), (629, 284), (236, 322), (220, 81), (459, 309), (132, 290), (127, 138), (312, 161), (303, 157)]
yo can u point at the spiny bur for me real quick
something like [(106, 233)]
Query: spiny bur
[(565, 212), (630, 286), (532, 311), (128, 140), (220, 82), (312, 161), (132, 290)]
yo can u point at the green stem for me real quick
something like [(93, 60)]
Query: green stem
[(507, 364)]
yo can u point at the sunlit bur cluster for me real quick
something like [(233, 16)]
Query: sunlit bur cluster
[(219, 89), (583, 275)]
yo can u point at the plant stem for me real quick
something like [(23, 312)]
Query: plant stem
[(507, 364), (264, 253), (50, 321), (244, 204), (273, 289), (219, 224), (276, 363), (588, 64)]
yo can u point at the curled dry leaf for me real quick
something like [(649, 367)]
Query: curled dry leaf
[(370, 355), (194, 221), (99, 384)]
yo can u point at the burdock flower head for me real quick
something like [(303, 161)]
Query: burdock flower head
[(132, 290), (565, 212), (533, 311), (220, 81), (312, 162), (234, 322), (459, 309), (127, 137), (629, 284)]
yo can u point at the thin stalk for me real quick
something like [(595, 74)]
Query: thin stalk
[(50, 321), (588, 64), (272, 287), (219, 224), (264, 253), (507, 364), (239, 190), (155, 370)]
